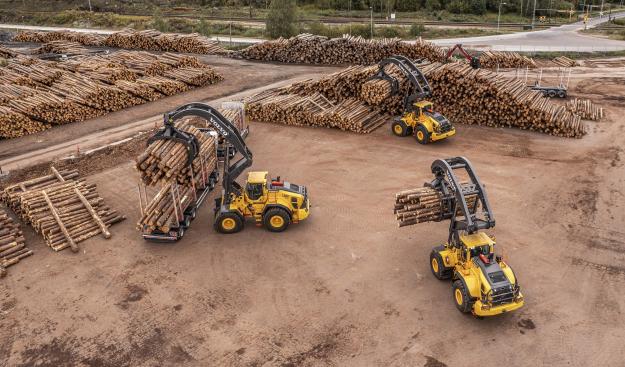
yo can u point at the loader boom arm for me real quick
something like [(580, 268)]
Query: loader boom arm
[(413, 75)]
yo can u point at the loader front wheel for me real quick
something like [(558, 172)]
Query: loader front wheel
[(461, 296), (438, 266), (400, 128), (228, 223), (422, 135)]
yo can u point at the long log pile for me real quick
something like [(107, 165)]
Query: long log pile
[(585, 109), (425, 204), (12, 246), (68, 48), (565, 62), (311, 49), (7, 53), (150, 39), (37, 94), (462, 94), (63, 208), (505, 59)]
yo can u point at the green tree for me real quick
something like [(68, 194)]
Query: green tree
[(433, 5), (158, 22), (457, 6), (282, 19), (204, 28), (477, 7)]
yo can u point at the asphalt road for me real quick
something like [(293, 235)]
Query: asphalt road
[(562, 38)]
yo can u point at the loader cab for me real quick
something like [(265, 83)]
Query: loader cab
[(256, 187), (477, 244), (424, 107)]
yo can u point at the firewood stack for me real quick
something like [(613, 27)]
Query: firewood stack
[(565, 62), (505, 59), (12, 246), (64, 209), (35, 94), (311, 49), (585, 109), (166, 160), (425, 204), (62, 47)]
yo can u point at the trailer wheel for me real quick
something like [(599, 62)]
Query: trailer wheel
[(561, 94), (552, 93), (180, 233), (228, 223), (193, 214)]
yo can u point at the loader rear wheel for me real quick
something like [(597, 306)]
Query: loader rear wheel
[(400, 128), (422, 135), (438, 266), (276, 220), (228, 223), (461, 296)]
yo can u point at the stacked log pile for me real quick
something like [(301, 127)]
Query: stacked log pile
[(36, 94), (585, 109), (12, 246), (149, 39), (166, 208), (462, 94), (64, 209), (425, 204), (68, 48), (7, 53), (167, 160), (505, 59), (565, 62), (311, 49)]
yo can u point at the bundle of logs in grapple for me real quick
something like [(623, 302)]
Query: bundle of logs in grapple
[(311, 49), (129, 38), (505, 59), (167, 160), (36, 94), (63, 208), (12, 246), (585, 109), (426, 204)]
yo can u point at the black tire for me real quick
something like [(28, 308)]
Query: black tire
[(551, 93), (399, 128), (186, 223), (422, 135), (276, 220), (438, 266), (461, 296), (180, 233), (228, 223), (193, 214), (561, 94)]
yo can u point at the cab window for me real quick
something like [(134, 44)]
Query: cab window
[(477, 250), (254, 191)]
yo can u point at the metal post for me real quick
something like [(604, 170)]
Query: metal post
[(534, 15), (371, 9), (499, 16), (230, 33), (349, 14), (601, 10), (89, 5)]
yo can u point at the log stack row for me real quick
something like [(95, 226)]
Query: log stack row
[(461, 93), (565, 62), (280, 106), (585, 109), (505, 59), (311, 49), (64, 47), (128, 38), (64, 209), (425, 204), (37, 94), (12, 246), (7, 53)]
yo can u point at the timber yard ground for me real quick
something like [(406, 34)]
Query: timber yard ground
[(345, 287)]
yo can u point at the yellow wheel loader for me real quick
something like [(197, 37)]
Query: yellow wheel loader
[(419, 118), (272, 203), (483, 284)]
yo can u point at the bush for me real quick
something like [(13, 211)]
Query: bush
[(457, 6), (416, 30), (388, 32), (282, 19), (203, 28), (158, 22), (477, 7), (433, 5)]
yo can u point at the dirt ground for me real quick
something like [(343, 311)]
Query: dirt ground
[(346, 287)]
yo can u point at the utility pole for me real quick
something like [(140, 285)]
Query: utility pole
[(534, 15), (499, 16), (89, 5), (601, 10), (349, 14)]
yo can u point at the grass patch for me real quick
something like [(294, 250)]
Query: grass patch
[(549, 55)]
